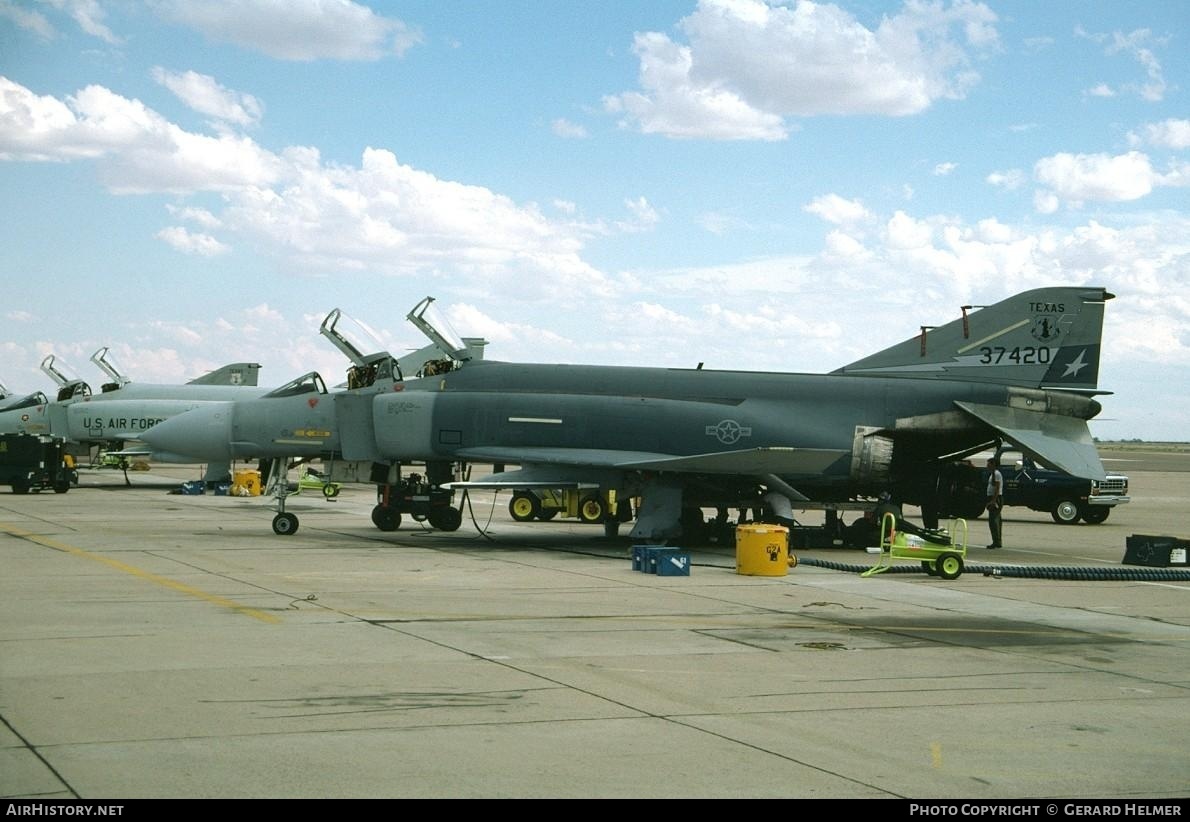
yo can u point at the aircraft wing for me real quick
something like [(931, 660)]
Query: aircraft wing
[(132, 451), (1061, 441), (750, 461)]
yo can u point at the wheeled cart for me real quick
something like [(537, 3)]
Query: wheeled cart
[(941, 553)]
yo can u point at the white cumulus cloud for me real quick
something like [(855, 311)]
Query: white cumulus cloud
[(183, 240), (1076, 178), (203, 94), (749, 64), (300, 30)]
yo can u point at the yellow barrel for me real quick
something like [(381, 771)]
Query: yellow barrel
[(245, 483), (762, 550)]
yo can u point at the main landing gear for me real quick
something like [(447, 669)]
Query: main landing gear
[(419, 499), (413, 496)]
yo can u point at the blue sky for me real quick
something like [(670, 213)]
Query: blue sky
[(766, 186)]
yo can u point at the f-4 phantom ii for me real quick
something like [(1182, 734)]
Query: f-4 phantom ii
[(1022, 371), (302, 420), (124, 410)]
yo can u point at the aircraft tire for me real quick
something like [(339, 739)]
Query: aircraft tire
[(1095, 514), (949, 565), (1065, 512), (525, 506), (285, 525)]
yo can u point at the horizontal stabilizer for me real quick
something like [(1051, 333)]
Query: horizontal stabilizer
[(1060, 441)]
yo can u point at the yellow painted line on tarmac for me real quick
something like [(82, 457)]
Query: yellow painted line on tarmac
[(140, 573), (936, 754)]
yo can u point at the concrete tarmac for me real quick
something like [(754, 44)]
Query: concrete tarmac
[(156, 645)]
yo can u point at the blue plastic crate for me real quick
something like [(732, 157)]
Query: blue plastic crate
[(653, 557), (639, 554), (673, 564)]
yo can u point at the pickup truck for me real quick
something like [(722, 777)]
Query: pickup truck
[(1068, 499), (961, 492)]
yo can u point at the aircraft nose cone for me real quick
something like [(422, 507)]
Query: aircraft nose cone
[(203, 433)]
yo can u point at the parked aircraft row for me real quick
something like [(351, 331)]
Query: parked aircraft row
[(123, 410), (1022, 371)]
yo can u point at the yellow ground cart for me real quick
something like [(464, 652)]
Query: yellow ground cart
[(944, 558)]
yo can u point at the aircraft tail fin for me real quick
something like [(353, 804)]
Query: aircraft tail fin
[(1044, 338), (237, 373)]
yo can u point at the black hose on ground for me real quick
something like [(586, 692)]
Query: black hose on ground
[(1130, 574)]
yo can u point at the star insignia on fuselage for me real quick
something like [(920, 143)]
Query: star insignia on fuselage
[(728, 431)]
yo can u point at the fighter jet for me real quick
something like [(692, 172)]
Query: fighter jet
[(1023, 371), (124, 410), (302, 420)]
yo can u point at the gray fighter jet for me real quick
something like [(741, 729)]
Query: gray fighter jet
[(302, 420), (1023, 371), (123, 410)]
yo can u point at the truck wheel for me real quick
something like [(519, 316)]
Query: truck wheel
[(1095, 514), (525, 506), (20, 488), (61, 487), (547, 514), (330, 490), (1065, 512), (591, 510)]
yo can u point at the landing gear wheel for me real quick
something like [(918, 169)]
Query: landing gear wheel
[(446, 519), (525, 506), (1095, 514), (1065, 512), (386, 518), (949, 565), (591, 510), (285, 525), (928, 567)]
